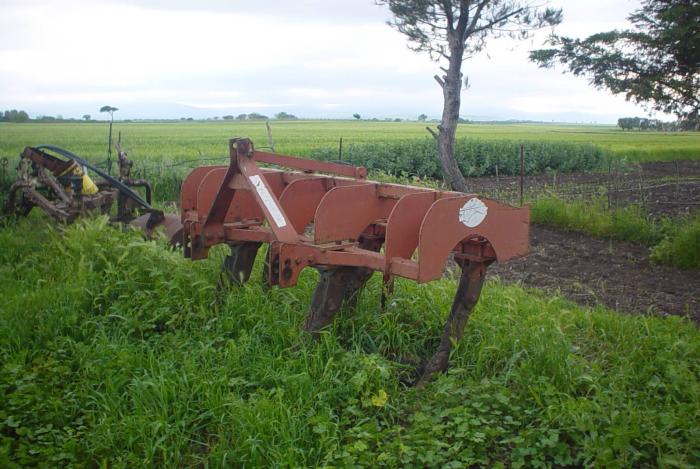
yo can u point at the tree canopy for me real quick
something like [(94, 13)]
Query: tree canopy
[(438, 26), (656, 63), (14, 116), (285, 116), (110, 109)]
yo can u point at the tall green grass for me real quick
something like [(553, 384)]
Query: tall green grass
[(674, 242), (681, 245), (117, 352), (592, 217)]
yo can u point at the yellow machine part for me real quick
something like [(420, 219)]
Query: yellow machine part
[(89, 187)]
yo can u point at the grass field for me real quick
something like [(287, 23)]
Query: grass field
[(117, 352), (192, 139)]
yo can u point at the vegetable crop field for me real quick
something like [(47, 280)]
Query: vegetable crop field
[(117, 351)]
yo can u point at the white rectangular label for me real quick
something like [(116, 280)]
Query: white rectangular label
[(269, 202)]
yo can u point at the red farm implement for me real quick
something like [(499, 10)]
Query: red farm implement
[(330, 217)]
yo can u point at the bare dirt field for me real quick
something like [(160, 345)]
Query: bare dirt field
[(593, 271)]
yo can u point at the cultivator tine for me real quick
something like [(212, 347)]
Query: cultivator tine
[(338, 223), (337, 285), (266, 269), (239, 264), (470, 283), (340, 285)]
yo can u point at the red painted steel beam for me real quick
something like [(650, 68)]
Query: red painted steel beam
[(316, 166)]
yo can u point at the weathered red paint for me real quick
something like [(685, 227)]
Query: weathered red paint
[(338, 222), (422, 227)]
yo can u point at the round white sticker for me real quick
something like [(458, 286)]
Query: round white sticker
[(473, 212)]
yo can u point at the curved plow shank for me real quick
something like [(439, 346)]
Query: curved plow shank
[(470, 283), (239, 264), (338, 285), (338, 223)]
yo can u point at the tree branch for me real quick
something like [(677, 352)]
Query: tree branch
[(432, 132), (447, 7), (495, 21), (477, 14), (440, 81)]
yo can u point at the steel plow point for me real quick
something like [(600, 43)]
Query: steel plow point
[(330, 217), (150, 223), (239, 264), (338, 285)]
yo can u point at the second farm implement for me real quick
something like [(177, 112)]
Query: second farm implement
[(330, 217)]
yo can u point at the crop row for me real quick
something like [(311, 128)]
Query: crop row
[(475, 157)]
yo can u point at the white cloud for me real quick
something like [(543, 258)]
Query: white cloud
[(325, 58), (233, 105)]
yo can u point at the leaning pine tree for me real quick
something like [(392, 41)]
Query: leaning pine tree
[(451, 31)]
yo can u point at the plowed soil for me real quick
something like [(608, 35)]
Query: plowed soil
[(593, 271)]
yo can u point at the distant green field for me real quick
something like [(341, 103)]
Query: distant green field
[(193, 139)]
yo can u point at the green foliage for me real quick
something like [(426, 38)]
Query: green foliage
[(673, 242), (459, 29), (119, 352), (592, 217), (681, 246), (14, 116), (643, 123), (285, 116), (475, 157)]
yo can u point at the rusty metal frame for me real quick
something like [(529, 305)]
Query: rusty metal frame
[(310, 219), (329, 216)]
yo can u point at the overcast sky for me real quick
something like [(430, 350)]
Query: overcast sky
[(312, 58)]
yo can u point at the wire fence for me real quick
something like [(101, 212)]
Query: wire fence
[(620, 185), (658, 194)]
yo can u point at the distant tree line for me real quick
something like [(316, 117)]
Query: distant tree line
[(20, 116), (255, 116), (14, 116), (642, 123)]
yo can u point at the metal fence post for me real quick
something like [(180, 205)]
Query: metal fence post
[(270, 142), (522, 172)]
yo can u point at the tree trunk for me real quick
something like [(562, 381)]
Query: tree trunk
[(451, 90)]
